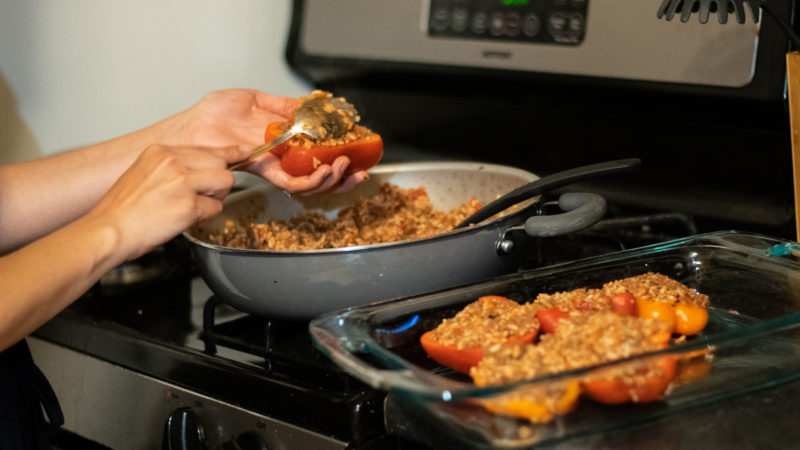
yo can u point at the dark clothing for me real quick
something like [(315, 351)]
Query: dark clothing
[(24, 394)]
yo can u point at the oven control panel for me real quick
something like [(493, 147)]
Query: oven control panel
[(540, 21), (609, 39)]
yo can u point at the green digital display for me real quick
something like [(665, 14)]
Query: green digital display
[(515, 2)]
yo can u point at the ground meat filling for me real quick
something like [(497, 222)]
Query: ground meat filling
[(489, 320), (585, 339), (394, 214)]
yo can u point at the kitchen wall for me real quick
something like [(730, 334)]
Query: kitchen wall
[(81, 71)]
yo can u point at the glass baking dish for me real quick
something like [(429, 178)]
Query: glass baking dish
[(752, 339)]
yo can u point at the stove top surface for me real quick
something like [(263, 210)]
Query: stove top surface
[(175, 329)]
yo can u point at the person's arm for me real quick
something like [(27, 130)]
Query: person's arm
[(115, 201), (241, 116), (40, 196), (43, 195), (165, 191)]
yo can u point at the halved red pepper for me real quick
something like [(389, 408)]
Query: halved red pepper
[(299, 160), (550, 317), (462, 359), (623, 303), (648, 385)]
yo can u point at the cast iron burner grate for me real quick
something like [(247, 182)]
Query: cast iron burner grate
[(610, 235), (284, 347), (287, 356)]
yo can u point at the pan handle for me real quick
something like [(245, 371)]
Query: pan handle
[(549, 183), (582, 210)]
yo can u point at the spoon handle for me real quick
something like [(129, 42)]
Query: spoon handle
[(547, 183), (263, 148)]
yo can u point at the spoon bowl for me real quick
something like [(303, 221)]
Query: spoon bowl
[(318, 116)]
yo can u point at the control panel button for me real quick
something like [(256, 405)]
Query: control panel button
[(183, 431), (480, 21), (558, 23), (531, 25), (512, 26), (249, 440), (440, 18), (497, 24), (576, 23), (460, 19)]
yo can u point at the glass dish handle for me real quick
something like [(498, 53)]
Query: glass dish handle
[(396, 373)]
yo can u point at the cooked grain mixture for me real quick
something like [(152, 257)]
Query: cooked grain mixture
[(394, 214), (650, 286), (356, 133), (585, 339), (575, 300), (349, 118), (488, 320), (657, 287)]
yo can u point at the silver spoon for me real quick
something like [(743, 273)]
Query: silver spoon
[(320, 117)]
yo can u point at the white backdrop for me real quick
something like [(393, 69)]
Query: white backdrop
[(81, 71)]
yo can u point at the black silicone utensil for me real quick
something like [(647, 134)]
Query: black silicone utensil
[(550, 182)]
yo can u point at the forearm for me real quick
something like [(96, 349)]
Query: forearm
[(44, 277), (165, 191), (40, 196)]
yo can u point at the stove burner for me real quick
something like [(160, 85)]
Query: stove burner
[(617, 233)]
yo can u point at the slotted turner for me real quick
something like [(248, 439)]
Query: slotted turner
[(668, 10), (723, 8)]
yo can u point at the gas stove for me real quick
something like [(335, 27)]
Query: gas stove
[(176, 367)]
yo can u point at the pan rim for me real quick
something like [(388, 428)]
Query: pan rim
[(396, 168)]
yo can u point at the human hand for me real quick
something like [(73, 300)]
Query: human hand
[(165, 191), (325, 178), (230, 117), (240, 117)]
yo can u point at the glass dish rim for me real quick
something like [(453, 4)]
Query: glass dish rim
[(339, 335)]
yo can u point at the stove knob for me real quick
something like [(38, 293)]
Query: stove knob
[(249, 440), (183, 431)]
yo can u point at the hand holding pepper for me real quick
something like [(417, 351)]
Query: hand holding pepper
[(341, 142), (239, 117)]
